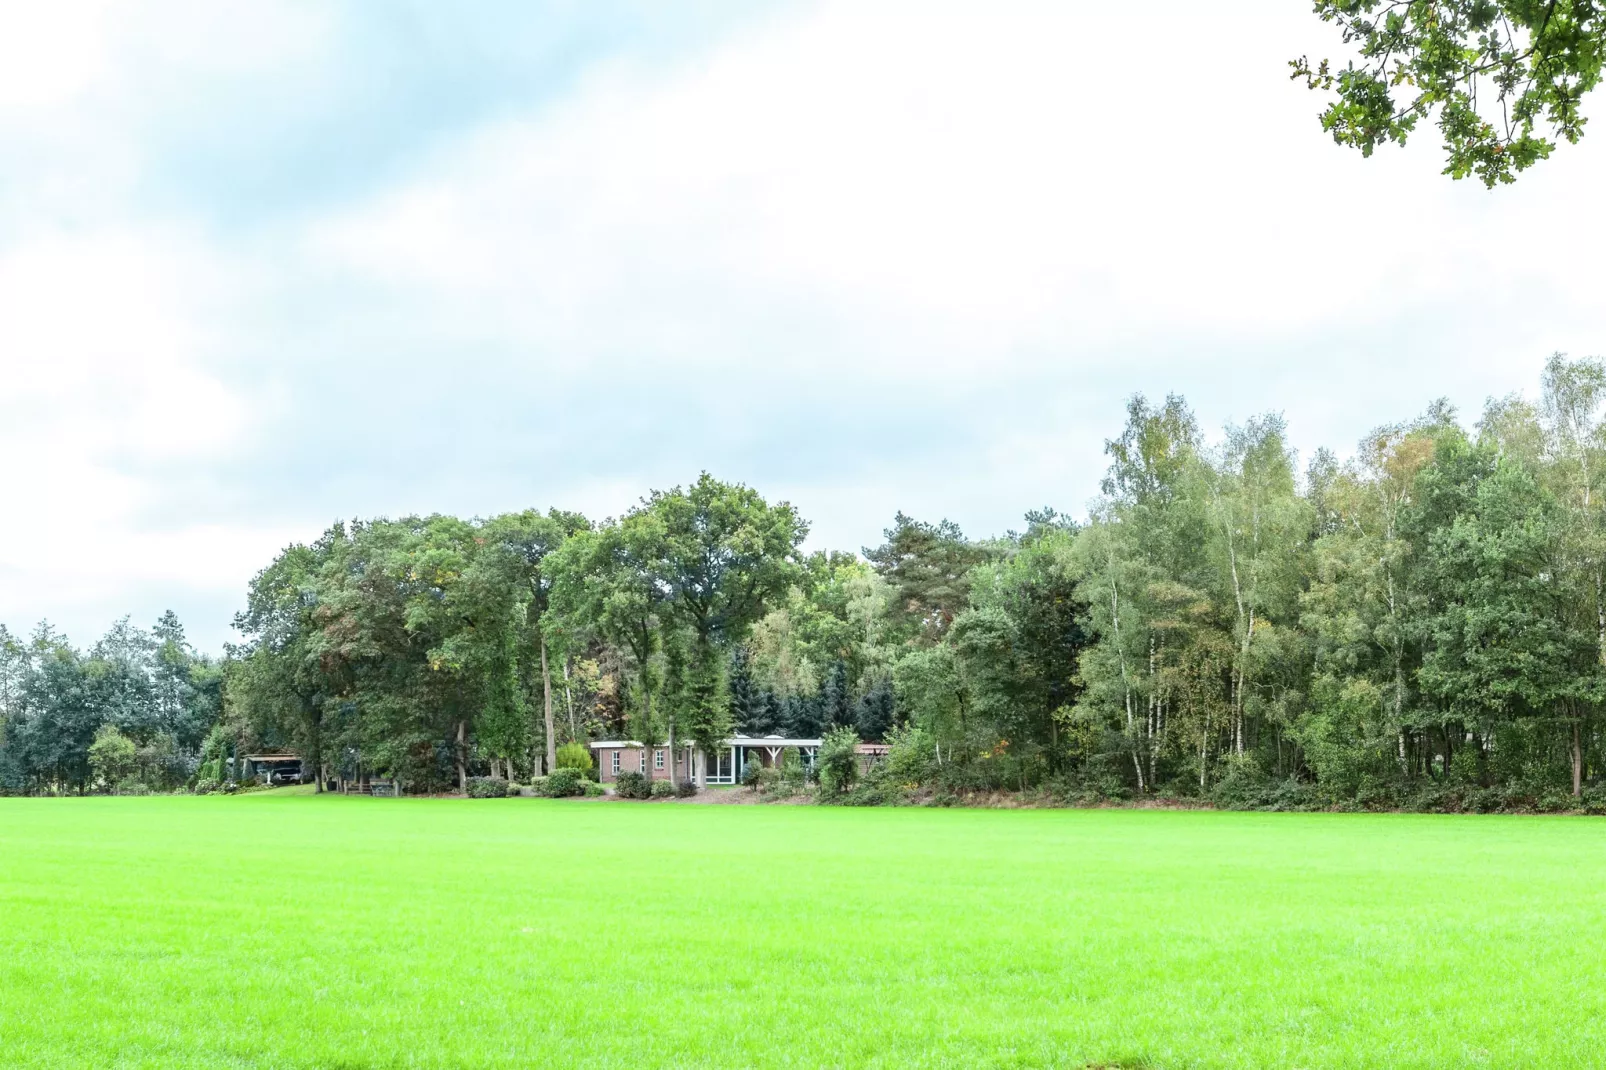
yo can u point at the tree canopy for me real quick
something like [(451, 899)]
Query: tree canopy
[(1504, 79), (1421, 623)]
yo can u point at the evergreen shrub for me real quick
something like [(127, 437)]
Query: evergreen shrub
[(565, 782), (838, 763), (575, 755), (632, 785), (793, 774)]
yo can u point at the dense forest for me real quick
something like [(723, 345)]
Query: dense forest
[(1420, 625), (138, 709)]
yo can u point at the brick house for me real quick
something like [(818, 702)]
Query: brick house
[(725, 766)]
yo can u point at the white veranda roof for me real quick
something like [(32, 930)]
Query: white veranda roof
[(734, 741)]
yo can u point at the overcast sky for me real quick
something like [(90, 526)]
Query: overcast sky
[(264, 265)]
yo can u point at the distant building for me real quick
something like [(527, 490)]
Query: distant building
[(265, 766), (725, 765), (869, 754)]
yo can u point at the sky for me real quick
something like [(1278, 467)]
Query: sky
[(265, 265)]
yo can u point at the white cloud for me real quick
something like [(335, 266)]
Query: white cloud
[(49, 53), (874, 188), (68, 51), (104, 347), (113, 324), (985, 224), (944, 198)]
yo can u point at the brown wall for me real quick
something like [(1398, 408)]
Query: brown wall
[(631, 760)]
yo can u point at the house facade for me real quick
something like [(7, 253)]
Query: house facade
[(726, 764)]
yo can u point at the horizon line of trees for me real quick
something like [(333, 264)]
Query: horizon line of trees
[(136, 708), (1424, 620)]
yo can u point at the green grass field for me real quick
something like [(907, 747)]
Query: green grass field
[(293, 931)]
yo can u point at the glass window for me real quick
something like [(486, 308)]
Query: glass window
[(658, 759), (615, 763)]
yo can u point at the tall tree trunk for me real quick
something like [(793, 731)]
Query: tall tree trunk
[(1246, 621), (674, 778), (1126, 681), (1238, 696), (1578, 758), (1398, 653), (546, 705), (568, 697), (1600, 618), (462, 756)]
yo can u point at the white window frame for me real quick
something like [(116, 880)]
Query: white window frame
[(658, 758), (616, 762)]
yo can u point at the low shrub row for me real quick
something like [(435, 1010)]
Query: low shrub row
[(1250, 789), (487, 787), (634, 785), (565, 783), (785, 781)]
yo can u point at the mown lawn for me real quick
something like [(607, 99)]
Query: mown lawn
[(293, 931)]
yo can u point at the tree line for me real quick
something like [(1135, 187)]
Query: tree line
[(135, 709), (1421, 624)]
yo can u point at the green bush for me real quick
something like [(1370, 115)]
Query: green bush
[(593, 789), (539, 787), (910, 763), (663, 789), (565, 782), (487, 787), (1243, 786), (1246, 788), (792, 777), (911, 756), (688, 788), (838, 763), (877, 791), (113, 757), (632, 785), (751, 773), (575, 756), (1557, 802)]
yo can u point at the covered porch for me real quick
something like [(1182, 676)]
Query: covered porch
[(729, 763), (266, 765), (725, 764)]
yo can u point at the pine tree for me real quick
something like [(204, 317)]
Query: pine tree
[(836, 697), (751, 706), (875, 711)]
